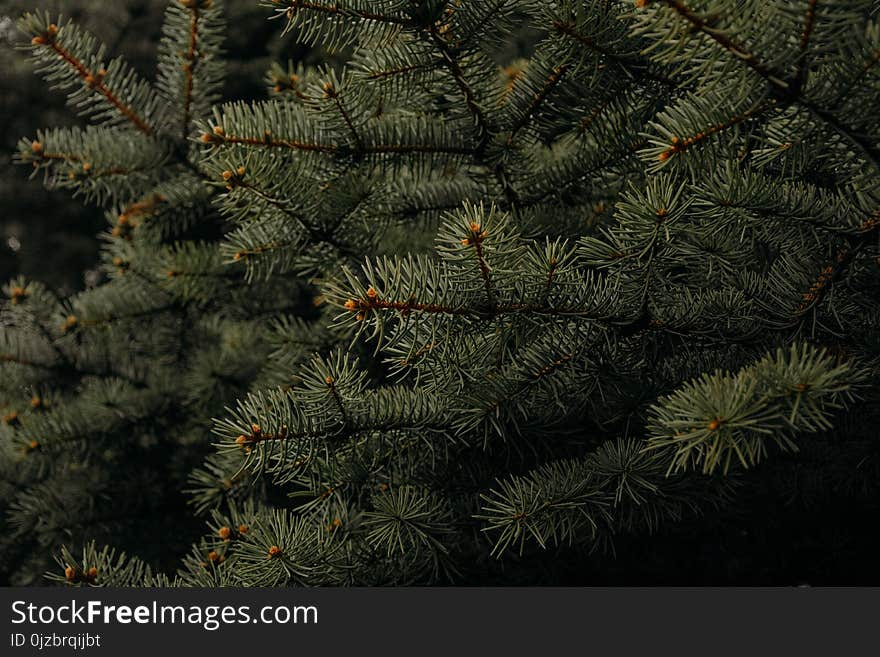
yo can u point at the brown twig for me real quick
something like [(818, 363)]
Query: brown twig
[(95, 80)]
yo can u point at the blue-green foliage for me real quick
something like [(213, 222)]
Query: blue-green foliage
[(425, 315)]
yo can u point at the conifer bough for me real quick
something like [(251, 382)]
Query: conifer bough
[(445, 312)]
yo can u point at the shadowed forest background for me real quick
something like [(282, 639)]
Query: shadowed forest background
[(50, 237)]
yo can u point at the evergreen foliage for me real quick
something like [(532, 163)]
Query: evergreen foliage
[(443, 311)]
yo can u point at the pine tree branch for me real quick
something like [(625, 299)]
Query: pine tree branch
[(348, 122), (391, 72), (337, 399), (742, 53), (89, 435), (553, 367), (258, 436), (790, 90), (374, 303), (510, 194), (86, 168), (190, 62), (833, 271), (378, 149), (278, 204), (470, 98), (681, 144), (595, 113), (403, 149), (258, 250), (406, 307), (860, 142), (552, 80), (66, 361), (477, 241), (316, 235), (822, 283), (269, 142), (9, 358), (95, 80), (463, 39), (632, 66), (225, 274), (337, 9), (613, 159), (331, 228), (866, 68), (809, 22)]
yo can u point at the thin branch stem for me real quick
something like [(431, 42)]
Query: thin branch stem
[(337, 9), (741, 52), (96, 82), (190, 62), (553, 79), (470, 98)]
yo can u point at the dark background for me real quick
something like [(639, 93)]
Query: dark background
[(49, 236)]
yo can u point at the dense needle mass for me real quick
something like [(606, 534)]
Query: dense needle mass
[(437, 314)]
